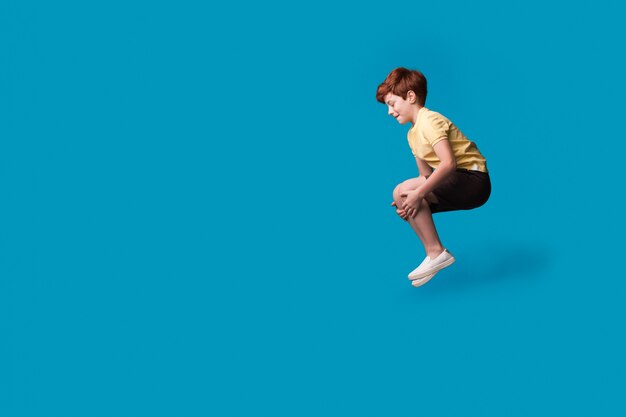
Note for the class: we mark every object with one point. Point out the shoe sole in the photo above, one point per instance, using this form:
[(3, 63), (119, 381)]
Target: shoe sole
[(436, 269), (421, 281)]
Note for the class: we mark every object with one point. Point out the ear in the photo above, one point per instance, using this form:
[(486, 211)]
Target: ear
[(411, 97)]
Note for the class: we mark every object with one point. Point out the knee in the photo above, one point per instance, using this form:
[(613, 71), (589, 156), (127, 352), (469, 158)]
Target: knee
[(396, 192)]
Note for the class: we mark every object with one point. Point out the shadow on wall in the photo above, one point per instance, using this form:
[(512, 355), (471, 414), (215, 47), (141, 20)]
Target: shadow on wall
[(493, 262)]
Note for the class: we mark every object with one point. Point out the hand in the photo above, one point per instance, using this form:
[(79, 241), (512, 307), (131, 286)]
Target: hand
[(412, 202), (400, 212)]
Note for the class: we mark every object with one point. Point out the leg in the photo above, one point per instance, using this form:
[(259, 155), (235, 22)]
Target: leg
[(422, 223)]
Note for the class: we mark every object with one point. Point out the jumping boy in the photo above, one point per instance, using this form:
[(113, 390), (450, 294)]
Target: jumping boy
[(452, 172)]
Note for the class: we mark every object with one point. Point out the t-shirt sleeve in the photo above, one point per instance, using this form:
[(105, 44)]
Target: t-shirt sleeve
[(436, 129)]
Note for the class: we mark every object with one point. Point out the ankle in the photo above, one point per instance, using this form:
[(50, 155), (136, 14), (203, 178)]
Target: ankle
[(433, 252)]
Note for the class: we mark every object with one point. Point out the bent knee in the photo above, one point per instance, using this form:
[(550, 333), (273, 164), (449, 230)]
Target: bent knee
[(398, 191), (407, 185)]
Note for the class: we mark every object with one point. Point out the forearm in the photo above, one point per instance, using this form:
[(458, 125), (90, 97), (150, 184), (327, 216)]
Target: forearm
[(423, 168), (441, 173)]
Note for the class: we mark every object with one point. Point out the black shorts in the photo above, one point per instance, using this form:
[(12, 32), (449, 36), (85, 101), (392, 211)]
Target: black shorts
[(462, 190)]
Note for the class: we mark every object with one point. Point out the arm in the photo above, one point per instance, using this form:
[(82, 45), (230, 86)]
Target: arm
[(446, 166), (423, 168)]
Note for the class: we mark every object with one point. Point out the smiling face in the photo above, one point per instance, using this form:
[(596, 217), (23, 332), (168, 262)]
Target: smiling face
[(403, 110)]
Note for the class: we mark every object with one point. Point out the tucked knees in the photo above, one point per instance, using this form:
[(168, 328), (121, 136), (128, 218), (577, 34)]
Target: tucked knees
[(399, 190), (405, 186), (410, 185), (396, 193)]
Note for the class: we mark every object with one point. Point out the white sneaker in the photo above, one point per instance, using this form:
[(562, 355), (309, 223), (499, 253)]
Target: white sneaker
[(428, 266), (421, 281), (417, 271)]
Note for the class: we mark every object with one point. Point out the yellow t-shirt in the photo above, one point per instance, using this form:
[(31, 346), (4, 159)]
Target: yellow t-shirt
[(430, 129)]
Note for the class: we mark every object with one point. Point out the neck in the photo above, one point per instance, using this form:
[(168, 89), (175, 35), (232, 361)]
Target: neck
[(415, 114)]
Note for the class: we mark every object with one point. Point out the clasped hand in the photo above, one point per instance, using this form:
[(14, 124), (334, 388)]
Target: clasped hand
[(411, 205)]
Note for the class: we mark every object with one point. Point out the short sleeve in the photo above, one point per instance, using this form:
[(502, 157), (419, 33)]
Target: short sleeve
[(436, 129)]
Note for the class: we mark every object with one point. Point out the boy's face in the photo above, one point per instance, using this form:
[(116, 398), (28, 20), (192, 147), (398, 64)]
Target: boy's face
[(402, 110)]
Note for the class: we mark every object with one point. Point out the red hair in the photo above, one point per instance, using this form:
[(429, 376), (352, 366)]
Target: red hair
[(402, 80)]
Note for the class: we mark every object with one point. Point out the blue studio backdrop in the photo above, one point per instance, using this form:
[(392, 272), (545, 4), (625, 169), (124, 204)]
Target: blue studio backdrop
[(196, 219)]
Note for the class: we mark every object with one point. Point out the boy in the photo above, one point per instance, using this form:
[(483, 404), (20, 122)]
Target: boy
[(452, 172)]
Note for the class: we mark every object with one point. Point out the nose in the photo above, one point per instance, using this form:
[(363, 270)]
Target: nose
[(390, 112)]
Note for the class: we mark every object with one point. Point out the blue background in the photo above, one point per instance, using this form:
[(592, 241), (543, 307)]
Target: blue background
[(195, 211)]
